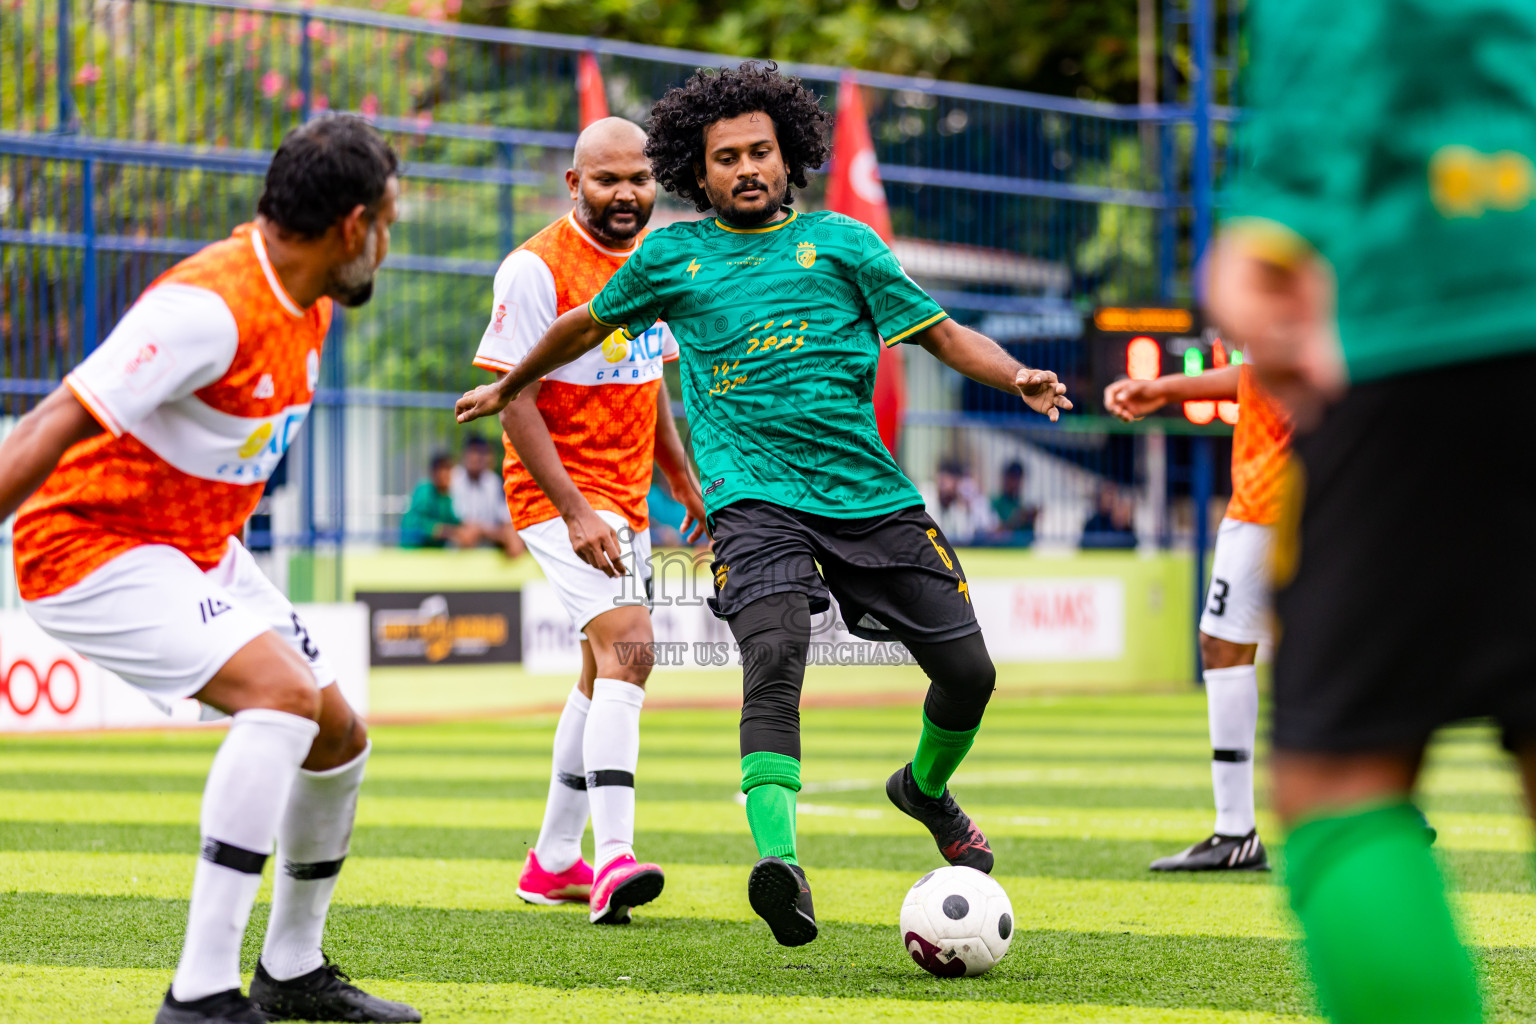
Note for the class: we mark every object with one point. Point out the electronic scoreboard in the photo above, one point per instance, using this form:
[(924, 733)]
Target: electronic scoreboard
[(1147, 342)]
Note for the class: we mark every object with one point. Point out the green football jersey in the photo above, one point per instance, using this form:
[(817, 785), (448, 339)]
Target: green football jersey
[(1398, 138), (779, 328)]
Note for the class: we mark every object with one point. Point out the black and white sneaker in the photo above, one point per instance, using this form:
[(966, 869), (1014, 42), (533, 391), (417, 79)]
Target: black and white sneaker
[(959, 840), (780, 895), (1219, 853), (231, 1007), (325, 993)]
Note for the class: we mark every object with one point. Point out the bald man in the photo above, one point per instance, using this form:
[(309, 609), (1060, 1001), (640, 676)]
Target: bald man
[(580, 447)]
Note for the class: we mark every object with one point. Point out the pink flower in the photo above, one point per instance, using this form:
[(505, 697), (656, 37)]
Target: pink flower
[(89, 74), (320, 102), (316, 31), (437, 57), (295, 99), (424, 120), (453, 7), (370, 105), (271, 84)]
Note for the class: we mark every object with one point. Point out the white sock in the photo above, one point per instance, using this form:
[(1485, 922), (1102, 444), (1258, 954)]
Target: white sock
[(312, 841), (565, 812), (247, 789), (1232, 700), (611, 750)]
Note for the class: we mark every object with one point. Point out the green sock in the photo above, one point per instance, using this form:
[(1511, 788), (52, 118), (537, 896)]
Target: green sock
[(771, 782), (1380, 941), (939, 753)]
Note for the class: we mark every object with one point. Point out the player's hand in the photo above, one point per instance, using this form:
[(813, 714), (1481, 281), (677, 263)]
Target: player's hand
[(686, 493), (1042, 392), (485, 400), (1132, 399), (1283, 317), (596, 543)]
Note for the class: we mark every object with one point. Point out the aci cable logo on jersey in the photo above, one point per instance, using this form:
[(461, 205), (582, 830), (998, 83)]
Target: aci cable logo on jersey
[(262, 448)]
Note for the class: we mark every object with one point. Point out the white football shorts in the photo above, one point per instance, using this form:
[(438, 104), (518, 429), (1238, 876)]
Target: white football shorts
[(586, 592), (1237, 607), (153, 617)]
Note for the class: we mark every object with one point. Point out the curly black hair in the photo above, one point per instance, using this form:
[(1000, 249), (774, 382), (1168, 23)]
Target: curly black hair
[(675, 144)]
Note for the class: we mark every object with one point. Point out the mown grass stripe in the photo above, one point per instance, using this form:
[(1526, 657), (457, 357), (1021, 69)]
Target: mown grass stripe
[(710, 892), (1124, 859), (32, 770), (126, 997), (1506, 832), (31, 995), (561, 950)]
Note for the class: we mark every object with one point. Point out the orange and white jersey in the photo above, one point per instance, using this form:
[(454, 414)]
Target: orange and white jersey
[(601, 408), (200, 388), (1260, 446)]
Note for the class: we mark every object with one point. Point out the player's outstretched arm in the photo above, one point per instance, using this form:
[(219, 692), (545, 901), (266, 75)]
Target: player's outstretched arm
[(1132, 399), (37, 444), (568, 337), (982, 359)]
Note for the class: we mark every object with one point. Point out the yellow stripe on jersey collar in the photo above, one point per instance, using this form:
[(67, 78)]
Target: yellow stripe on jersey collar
[(758, 231)]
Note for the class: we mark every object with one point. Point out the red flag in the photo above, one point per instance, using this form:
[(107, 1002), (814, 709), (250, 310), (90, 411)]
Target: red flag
[(855, 190), (589, 89)]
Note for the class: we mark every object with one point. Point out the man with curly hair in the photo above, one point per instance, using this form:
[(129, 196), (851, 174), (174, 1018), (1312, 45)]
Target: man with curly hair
[(780, 317)]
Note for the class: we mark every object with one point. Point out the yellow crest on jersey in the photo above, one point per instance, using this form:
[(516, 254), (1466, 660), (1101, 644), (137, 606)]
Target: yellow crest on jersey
[(805, 254), (257, 441), (616, 347)]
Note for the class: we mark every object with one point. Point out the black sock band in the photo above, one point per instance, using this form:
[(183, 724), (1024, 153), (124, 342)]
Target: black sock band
[(610, 777), (1231, 756), (773, 633), (961, 680), (237, 858), (314, 869), (570, 780)]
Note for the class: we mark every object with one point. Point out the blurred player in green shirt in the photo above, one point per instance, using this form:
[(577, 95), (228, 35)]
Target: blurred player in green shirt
[(1381, 275), (780, 316)]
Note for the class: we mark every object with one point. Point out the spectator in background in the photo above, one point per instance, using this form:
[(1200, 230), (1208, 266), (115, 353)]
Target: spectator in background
[(958, 505), (1015, 520), (479, 501), (430, 521), (1110, 524)]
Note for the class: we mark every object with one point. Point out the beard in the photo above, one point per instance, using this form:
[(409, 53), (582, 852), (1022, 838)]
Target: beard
[(725, 203), (601, 221), (352, 282)]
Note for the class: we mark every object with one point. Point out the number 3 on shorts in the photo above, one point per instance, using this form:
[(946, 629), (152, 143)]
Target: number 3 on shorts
[(1219, 590)]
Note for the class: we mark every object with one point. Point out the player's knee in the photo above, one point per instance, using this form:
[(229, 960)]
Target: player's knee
[(1218, 653), (293, 692), (340, 740), (961, 669)]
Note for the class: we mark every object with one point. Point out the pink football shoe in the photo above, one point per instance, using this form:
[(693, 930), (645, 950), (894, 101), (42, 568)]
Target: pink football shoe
[(573, 885), (623, 884)]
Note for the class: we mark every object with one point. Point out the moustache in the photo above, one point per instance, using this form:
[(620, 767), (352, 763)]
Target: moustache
[(748, 186)]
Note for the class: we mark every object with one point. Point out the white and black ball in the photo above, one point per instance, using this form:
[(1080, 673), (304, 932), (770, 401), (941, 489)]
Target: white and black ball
[(956, 922)]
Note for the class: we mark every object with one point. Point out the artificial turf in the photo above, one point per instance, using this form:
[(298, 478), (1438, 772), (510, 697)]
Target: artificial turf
[(98, 833)]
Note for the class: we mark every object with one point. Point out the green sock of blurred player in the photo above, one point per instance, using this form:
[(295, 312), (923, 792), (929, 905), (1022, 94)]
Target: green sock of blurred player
[(939, 753), (770, 782), (1380, 941)]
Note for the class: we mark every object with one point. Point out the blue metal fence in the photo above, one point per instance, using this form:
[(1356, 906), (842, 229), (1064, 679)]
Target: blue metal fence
[(133, 132)]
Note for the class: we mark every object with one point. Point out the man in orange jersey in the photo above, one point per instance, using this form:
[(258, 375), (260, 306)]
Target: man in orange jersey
[(580, 446), (141, 470), (1236, 616)]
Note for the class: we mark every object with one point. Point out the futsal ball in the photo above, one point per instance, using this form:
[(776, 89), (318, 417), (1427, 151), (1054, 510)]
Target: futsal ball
[(956, 922)]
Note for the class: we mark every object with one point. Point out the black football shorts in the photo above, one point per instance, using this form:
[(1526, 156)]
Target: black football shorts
[(895, 577), (1414, 597)]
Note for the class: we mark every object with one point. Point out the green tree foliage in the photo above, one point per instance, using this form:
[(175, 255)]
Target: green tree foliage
[(1070, 47)]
